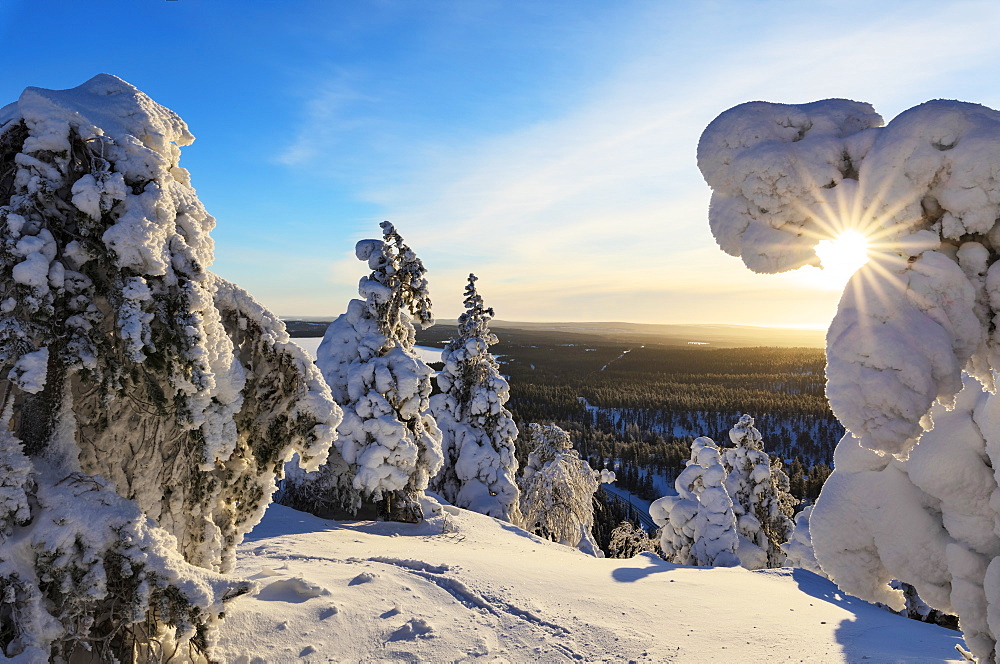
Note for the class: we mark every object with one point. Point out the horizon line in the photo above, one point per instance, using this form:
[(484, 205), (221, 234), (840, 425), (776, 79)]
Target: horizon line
[(801, 327)]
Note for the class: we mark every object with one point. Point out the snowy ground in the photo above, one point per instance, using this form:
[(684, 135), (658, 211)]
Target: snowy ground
[(426, 353), (462, 587)]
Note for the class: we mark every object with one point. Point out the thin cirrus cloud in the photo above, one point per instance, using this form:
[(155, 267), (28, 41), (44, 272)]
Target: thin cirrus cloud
[(327, 121), (598, 212)]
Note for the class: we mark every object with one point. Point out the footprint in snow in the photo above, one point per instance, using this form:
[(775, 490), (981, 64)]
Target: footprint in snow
[(364, 577), (414, 628)]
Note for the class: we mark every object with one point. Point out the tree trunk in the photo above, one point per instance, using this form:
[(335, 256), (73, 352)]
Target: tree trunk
[(402, 506)]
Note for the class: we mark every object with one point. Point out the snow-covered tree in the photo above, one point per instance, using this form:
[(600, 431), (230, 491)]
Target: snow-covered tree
[(924, 191), (698, 525), (761, 501), (557, 489), (799, 549), (628, 541), (389, 444), (800, 553), (479, 470), (148, 405)]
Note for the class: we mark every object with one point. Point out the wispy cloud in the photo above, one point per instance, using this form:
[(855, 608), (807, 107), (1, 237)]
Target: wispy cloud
[(330, 115), (600, 212)]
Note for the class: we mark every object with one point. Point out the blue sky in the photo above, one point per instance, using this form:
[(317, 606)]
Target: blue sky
[(549, 147)]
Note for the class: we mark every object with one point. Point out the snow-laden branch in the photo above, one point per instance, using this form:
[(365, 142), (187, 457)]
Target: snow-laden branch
[(924, 191)]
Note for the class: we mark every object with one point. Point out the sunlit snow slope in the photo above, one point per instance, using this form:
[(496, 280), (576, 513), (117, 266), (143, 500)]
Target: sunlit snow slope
[(463, 587)]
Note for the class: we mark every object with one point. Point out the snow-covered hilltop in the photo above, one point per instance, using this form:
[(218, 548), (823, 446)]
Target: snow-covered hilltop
[(463, 587), (149, 409)]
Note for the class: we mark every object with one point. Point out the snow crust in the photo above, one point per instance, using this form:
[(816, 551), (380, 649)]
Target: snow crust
[(103, 106), (436, 593)]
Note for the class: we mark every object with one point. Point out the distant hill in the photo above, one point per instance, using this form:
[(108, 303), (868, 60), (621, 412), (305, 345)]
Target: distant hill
[(299, 327), (715, 335), (718, 336)]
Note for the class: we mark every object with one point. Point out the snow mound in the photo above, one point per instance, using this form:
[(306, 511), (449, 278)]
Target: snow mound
[(414, 628), (364, 577)]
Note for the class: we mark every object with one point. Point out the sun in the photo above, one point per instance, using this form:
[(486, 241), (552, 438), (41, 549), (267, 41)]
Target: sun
[(841, 257)]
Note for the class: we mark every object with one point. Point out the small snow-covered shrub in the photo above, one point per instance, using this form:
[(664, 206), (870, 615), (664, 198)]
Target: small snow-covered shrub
[(148, 405), (389, 445), (628, 541), (479, 470), (754, 491)]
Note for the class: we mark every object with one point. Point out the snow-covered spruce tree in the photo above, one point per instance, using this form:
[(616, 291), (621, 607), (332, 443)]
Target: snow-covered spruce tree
[(799, 549), (912, 495), (147, 404), (698, 526), (479, 470), (557, 490), (761, 501), (389, 444)]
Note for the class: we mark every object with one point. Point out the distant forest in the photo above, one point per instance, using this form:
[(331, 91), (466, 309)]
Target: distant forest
[(642, 402), (636, 401)]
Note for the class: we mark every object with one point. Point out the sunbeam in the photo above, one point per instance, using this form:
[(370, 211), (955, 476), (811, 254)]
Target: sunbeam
[(842, 256)]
